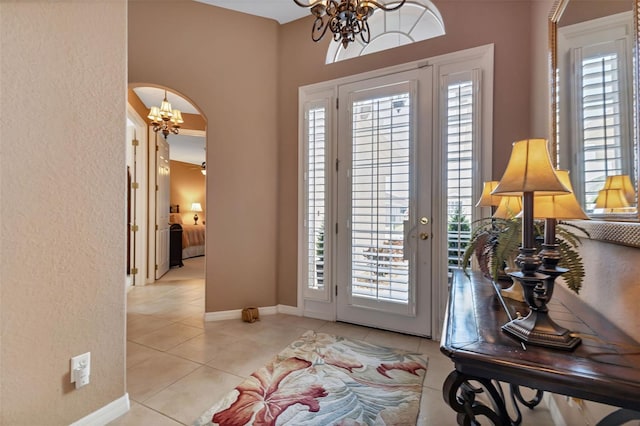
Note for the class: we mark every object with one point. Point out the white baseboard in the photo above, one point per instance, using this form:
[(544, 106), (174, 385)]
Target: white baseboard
[(325, 316), (237, 313), (289, 310), (554, 410), (106, 414)]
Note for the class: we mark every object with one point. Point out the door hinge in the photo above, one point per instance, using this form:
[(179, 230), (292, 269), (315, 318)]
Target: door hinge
[(157, 148), (337, 164), (156, 267), (336, 290), (134, 271), (135, 185), (135, 142), (134, 228), (157, 188), (156, 227), (336, 227), (337, 103)]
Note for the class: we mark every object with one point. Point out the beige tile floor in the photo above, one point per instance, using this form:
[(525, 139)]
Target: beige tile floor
[(178, 365)]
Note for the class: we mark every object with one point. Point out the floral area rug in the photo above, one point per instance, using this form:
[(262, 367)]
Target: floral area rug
[(321, 380)]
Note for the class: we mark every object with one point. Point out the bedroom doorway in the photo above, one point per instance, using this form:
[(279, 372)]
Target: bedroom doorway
[(174, 175)]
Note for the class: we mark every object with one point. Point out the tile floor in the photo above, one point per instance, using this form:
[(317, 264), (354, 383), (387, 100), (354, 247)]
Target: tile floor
[(178, 365)]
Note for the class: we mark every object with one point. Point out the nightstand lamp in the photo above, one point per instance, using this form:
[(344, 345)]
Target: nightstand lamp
[(196, 207)]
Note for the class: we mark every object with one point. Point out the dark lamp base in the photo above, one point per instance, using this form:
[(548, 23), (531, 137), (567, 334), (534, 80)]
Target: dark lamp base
[(540, 330)]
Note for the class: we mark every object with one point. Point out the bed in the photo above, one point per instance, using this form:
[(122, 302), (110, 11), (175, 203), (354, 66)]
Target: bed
[(193, 236)]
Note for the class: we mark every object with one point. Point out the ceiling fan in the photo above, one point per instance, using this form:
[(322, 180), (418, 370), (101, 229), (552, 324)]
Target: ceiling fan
[(202, 167)]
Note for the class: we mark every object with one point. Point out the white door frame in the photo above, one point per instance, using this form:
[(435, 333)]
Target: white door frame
[(480, 58), (139, 176)]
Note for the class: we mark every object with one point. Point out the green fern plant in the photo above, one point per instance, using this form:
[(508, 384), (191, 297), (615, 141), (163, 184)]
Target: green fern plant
[(496, 242)]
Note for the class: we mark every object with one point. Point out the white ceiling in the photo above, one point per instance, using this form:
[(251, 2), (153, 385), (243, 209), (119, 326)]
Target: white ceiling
[(153, 96), (282, 11)]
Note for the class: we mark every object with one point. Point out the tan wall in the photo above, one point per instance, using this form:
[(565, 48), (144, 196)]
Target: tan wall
[(62, 183), (188, 186), (226, 63), (469, 23)]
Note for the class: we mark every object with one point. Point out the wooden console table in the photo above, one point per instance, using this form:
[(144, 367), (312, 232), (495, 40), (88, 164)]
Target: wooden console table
[(604, 368)]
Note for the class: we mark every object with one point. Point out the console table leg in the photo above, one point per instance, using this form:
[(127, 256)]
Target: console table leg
[(515, 390), (461, 396), (619, 417)]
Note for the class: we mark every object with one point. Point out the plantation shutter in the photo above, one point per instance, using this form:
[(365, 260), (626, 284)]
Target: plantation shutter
[(380, 197), (601, 116), (460, 98), (316, 133)]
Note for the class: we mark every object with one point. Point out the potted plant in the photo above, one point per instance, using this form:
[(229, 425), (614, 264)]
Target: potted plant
[(496, 243)]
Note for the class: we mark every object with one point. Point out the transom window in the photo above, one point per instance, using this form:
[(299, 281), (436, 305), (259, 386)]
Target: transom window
[(416, 20)]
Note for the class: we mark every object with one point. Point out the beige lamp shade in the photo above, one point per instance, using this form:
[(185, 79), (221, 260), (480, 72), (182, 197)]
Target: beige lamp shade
[(611, 199), (486, 199), (530, 170), (509, 207), (623, 183), (165, 108), (196, 207), (564, 206), (177, 117), (154, 114)]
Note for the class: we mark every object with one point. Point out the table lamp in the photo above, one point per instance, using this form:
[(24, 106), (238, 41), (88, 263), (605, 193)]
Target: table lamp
[(487, 199), (196, 207), (551, 208), (509, 207), (530, 172), (623, 183)]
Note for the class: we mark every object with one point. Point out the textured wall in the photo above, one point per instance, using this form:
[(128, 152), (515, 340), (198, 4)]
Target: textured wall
[(225, 62), (62, 193)]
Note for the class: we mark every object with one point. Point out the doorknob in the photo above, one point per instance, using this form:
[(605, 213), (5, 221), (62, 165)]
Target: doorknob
[(424, 221), (424, 236)]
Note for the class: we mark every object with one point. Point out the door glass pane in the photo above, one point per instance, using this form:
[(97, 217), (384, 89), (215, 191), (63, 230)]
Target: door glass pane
[(316, 198), (380, 198), (459, 169)]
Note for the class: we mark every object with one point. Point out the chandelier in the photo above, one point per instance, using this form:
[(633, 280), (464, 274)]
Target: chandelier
[(345, 18), (161, 116)]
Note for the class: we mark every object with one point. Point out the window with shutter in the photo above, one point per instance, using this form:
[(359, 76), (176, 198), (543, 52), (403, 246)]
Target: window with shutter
[(460, 180), (595, 93)]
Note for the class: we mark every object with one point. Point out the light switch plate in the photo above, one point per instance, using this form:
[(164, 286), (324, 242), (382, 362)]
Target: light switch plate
[(81, 361)]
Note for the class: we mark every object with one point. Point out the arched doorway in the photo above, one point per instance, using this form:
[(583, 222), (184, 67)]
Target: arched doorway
[(157, 199)]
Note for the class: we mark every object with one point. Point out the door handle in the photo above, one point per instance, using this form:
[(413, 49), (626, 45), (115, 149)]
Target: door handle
[(424, 236)]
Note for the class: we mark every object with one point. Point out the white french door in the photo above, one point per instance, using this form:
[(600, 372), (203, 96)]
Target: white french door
[(383, 208)]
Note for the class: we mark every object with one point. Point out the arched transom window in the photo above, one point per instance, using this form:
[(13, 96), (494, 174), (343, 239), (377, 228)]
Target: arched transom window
[(416, 20)]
